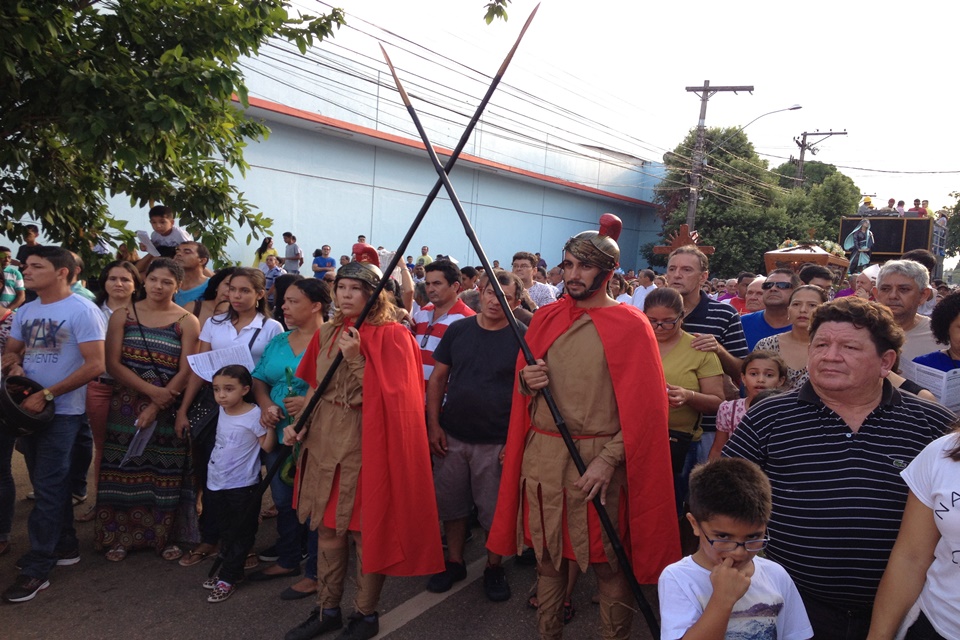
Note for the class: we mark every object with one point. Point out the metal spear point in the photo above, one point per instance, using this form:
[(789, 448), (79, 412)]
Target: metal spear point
[(604, 518), (254, 503)]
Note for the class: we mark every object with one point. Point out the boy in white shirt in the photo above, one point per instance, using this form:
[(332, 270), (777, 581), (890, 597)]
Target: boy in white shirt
[(724, 590)]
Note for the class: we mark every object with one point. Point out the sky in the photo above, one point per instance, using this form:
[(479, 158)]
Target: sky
[(879, 71)]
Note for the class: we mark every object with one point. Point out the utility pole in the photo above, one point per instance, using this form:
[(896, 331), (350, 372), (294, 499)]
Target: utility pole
[(696, 171), (798, 179)]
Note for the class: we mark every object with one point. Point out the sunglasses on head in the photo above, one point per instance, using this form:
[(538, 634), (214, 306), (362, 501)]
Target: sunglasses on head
[(779, 285)]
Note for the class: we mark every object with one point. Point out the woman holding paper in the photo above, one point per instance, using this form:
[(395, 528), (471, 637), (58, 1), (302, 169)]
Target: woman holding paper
[(945, 325), (140, 503), (245, 324)]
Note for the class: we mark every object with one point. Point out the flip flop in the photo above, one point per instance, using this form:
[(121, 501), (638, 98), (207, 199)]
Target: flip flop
[(195, 557), (88, 516), (117, 554), (251, 562), (171, 553)]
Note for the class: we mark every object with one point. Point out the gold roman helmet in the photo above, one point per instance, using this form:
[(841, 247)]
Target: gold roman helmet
[(598, 248), (362, 271)]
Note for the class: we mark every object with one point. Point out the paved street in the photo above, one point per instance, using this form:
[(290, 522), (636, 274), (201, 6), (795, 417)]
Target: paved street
[(145, 598)]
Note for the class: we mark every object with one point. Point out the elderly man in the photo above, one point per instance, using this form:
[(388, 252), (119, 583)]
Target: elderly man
[(592, 355), (903, 285), (777, 289), (754, 296), (834, 450)]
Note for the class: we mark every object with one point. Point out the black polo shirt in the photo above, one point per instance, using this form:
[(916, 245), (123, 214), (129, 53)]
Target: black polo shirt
[(838, 497)]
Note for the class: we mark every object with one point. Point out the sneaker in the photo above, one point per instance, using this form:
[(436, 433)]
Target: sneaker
[(67, 558), (317, 623), (495, 584), (269, 554), (211, 583), (443, 581), (24, 589), (360, 628), (221, 592)]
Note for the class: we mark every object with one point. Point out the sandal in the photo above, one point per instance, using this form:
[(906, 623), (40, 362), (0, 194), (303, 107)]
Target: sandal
[(533, 602), (269, 512), (250, 563), (198, 555), (171, 553), (117, 553), (568, 612)]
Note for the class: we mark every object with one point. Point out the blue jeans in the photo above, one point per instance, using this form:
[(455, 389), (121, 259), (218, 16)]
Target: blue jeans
[(81, 457), (48, 454), (707, 439), (290, 533), (8, 488)]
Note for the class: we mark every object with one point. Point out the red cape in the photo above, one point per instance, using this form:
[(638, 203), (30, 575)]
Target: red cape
[(399, 521), (638, 383)]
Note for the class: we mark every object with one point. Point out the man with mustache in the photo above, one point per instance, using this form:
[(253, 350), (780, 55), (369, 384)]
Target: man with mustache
[(593, 355)]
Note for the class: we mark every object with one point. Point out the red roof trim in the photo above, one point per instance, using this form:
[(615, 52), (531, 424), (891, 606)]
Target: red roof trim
[(417, 144)]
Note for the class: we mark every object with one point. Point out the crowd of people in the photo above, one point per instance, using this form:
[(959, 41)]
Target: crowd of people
[(777, 420)]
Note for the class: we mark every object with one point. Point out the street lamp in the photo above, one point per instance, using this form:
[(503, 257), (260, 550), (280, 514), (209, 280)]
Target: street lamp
[(698, 162)]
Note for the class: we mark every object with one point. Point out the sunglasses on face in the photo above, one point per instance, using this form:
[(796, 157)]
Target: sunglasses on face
[(766, 286)]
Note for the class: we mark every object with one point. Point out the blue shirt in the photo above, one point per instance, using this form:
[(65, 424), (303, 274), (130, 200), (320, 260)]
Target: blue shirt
[(755, 328), (272, 369), (52, 335), (938, 360), (182, 297), (323, 262)]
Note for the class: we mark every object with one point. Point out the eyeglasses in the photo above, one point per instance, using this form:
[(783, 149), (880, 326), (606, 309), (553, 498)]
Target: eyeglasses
[(666, 324), (766, 286), (724, 546)]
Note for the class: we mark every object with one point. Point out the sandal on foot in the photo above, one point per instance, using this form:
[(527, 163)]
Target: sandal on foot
[(251, 562), (117, 553), (533, 602), (198, 555), (568, 612), (270, 512), (171, 553)]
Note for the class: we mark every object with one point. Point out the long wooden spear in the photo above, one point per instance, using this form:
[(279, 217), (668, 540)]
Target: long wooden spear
[(307, 411), (528, 356)]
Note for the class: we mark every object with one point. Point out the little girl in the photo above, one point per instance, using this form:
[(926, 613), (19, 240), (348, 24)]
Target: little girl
[(234, 472), (761, 371)]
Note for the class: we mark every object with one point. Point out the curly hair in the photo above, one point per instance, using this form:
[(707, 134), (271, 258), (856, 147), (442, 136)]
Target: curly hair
[(943, 316), (876, 318)]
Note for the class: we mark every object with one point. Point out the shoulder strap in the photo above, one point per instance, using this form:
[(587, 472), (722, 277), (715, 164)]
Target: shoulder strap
[(146, 346), (254, 338)]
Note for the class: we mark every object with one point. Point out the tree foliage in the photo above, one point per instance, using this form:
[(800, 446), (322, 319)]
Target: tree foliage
[(133, 99), (743, 210), (952, 247)]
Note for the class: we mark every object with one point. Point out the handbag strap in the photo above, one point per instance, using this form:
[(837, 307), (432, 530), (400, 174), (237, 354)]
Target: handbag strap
[(254, 338), (146, 345)]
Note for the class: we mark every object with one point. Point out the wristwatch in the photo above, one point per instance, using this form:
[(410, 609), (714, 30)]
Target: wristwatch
[(47, 395)]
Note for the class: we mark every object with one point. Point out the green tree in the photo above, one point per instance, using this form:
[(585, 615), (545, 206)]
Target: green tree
[(132, 99), (813, 173), (953, 227)]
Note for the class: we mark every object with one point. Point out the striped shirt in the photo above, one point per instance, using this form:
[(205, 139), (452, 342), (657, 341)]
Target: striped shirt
[(429, 331), (721, 320), (837, 495)]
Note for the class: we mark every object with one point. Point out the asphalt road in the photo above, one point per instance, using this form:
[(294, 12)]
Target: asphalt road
[(146, 598)]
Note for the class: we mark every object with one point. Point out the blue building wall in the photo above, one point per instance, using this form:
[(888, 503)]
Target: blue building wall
[(327, 189)]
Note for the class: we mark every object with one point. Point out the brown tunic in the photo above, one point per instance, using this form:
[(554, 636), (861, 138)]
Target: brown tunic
[(581, 385), (333, 440)]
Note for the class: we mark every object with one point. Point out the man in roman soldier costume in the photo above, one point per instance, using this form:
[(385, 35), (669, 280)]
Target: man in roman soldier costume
[(600, 361)]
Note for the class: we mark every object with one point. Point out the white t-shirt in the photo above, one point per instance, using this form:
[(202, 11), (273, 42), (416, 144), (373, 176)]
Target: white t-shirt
[(935, 480), (52, 334), (176, 237), (919, 340), (221, 334), (640, 295), (235, 461), (771, 607)]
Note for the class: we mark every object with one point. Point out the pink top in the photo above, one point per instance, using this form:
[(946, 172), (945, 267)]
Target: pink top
[(730, 413)]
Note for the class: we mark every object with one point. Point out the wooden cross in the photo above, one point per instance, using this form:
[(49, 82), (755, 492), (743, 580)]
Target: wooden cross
[(682, 238)]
